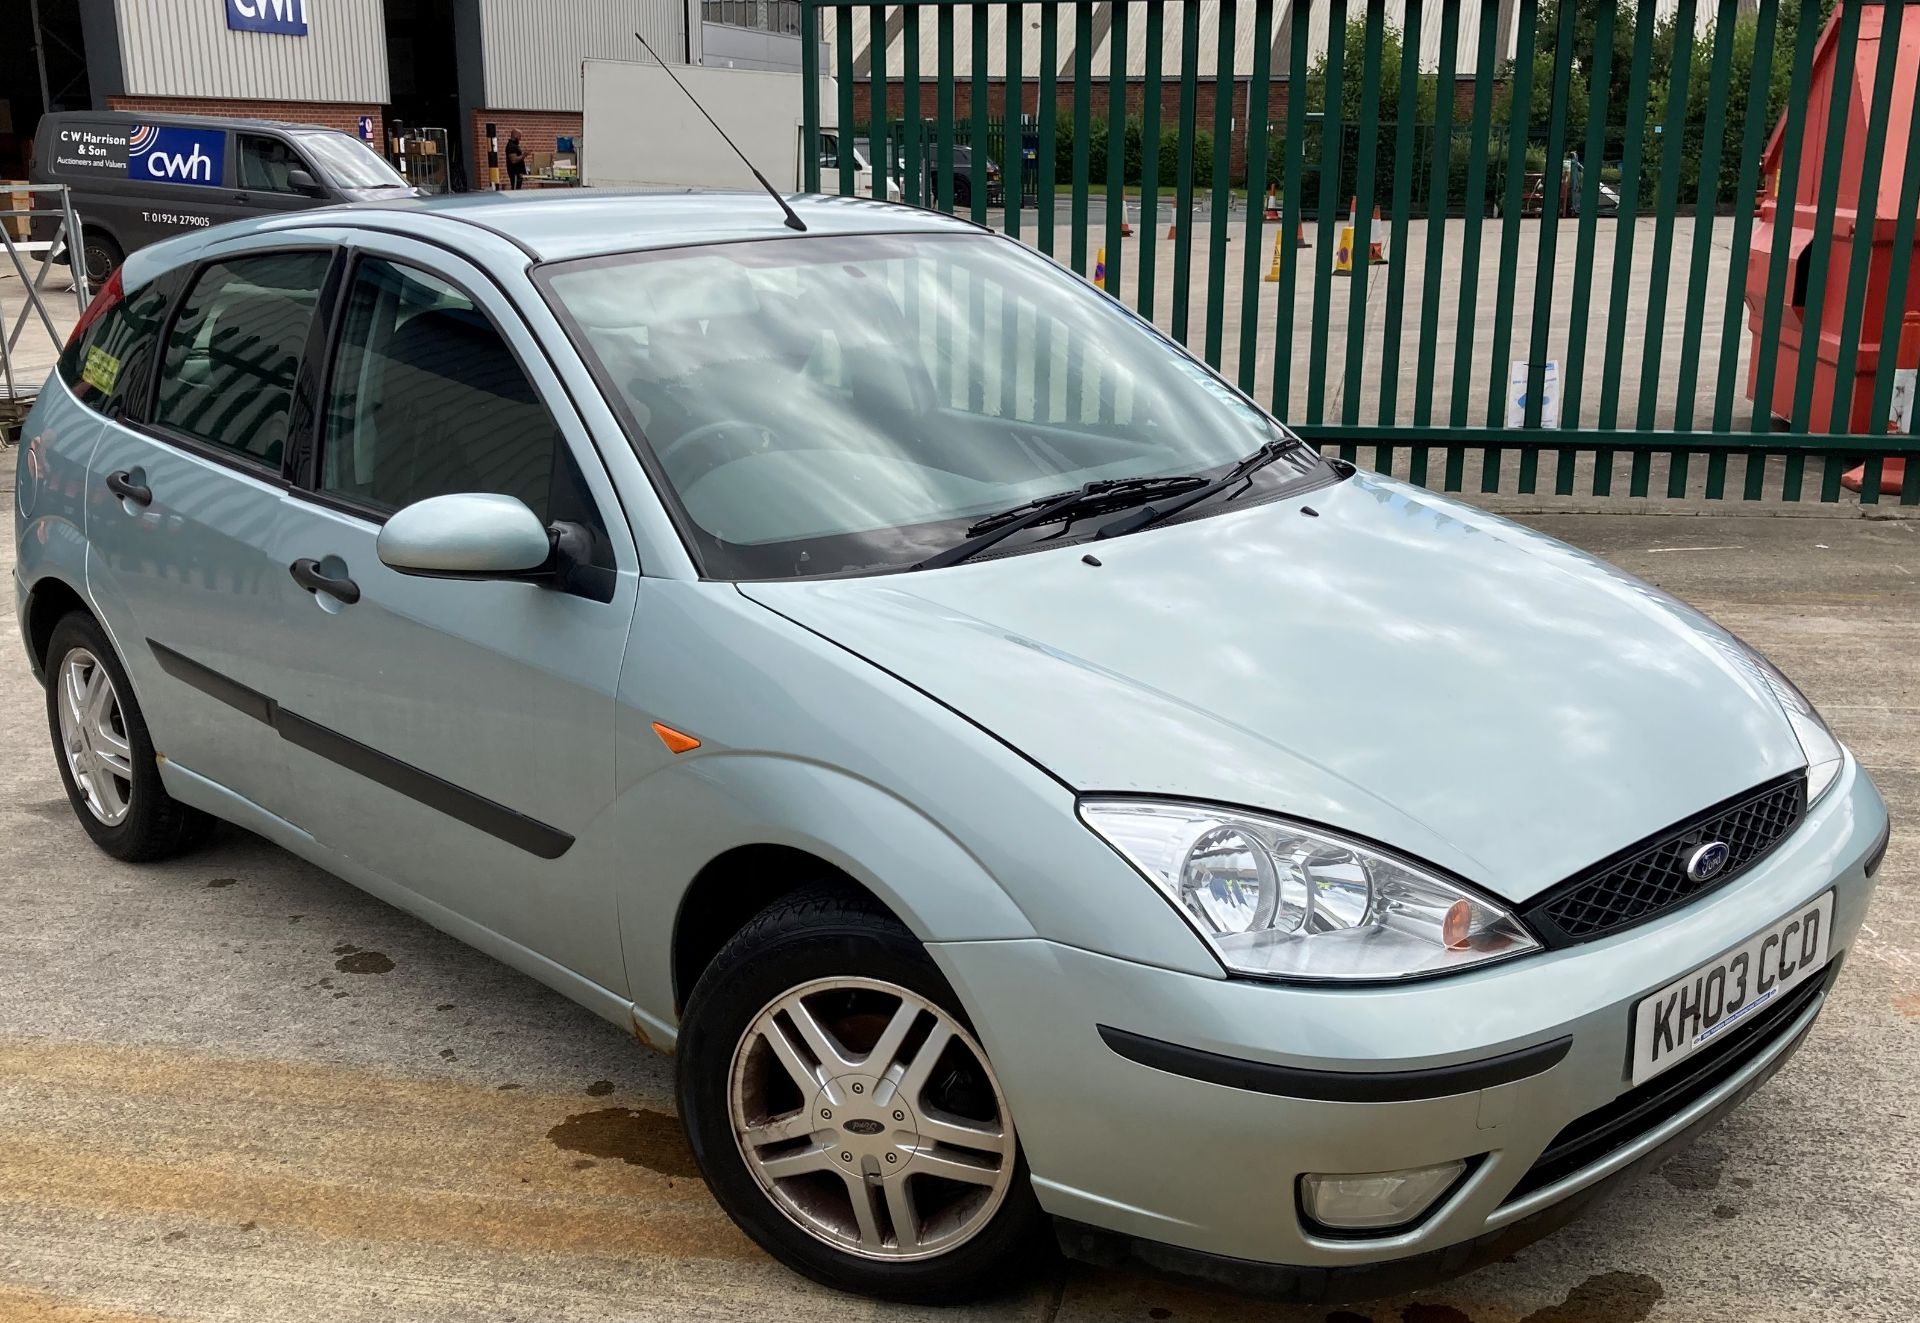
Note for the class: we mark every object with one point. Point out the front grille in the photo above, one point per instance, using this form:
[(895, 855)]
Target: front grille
[(1650, 877), (1606, 1129)]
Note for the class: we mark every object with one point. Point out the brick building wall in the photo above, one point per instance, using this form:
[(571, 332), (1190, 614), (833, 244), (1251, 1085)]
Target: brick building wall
[(539, 130), (342, 115)]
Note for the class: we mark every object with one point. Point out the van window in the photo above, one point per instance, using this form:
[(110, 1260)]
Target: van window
[(227, 376), (427, 399), (350, 163), (106, 365), (265, 164)]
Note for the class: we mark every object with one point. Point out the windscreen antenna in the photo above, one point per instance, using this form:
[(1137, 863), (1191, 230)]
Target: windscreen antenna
[(793, 219)]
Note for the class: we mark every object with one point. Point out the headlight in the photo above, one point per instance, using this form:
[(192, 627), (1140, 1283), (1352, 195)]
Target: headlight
[(1824, 754), (1279, 900)]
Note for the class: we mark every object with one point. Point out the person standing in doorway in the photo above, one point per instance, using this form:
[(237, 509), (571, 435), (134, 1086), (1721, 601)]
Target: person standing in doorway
[(516, 160)]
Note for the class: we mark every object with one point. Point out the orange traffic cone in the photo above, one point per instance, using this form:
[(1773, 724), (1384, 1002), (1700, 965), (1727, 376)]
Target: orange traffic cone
[(1126, 221), (1377, 243), (1273, 202), (1173, 230), (1901, 417)]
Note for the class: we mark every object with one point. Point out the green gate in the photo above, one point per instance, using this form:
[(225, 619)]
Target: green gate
[(1567, 192)]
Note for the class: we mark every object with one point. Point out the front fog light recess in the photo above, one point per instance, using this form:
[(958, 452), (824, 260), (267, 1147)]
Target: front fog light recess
[(1376, 1200)]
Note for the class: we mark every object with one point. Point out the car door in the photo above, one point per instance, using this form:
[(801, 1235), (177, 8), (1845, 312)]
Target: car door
[(456, 737), (187, 485)]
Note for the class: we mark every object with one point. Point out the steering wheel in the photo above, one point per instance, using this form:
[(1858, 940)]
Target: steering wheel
[(694, 436)]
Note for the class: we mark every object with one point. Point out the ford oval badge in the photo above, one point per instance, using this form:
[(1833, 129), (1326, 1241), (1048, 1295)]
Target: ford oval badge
[(1705, 863)]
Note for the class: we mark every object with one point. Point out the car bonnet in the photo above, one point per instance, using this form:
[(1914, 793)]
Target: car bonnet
[(1367, 656)]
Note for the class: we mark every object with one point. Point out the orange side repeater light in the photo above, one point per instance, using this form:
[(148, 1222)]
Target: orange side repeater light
[(676, 741)]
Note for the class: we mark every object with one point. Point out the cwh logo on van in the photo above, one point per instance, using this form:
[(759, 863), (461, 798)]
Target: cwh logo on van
[(173, 155)]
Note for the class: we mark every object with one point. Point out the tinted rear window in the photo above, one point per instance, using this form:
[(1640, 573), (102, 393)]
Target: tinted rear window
[(108, 365)]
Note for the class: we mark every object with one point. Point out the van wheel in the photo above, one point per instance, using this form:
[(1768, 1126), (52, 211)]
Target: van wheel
[(103, 256), (844, 1113), (105, 755)]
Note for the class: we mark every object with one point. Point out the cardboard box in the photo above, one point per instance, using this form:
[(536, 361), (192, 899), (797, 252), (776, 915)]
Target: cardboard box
[(17, 199)]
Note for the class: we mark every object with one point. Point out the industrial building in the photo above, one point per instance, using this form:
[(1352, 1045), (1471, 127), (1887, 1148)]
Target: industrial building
[(451, 67), (442, 69)]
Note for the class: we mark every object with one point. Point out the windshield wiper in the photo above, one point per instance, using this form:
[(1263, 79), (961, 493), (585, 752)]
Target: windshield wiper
[(1148, 515), (1094, 498)]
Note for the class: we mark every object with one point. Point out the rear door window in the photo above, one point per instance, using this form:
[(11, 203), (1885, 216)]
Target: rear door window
[(227, 376)]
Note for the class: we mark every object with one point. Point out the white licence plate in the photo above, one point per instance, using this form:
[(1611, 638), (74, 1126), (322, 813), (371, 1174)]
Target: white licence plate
[(1691, 1012)]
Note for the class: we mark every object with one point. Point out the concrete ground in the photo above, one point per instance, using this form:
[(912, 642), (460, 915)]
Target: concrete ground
[(234, 1088)]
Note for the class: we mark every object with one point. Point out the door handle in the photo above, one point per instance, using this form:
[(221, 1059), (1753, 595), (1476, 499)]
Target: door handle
[(307, 574), (121, 484)]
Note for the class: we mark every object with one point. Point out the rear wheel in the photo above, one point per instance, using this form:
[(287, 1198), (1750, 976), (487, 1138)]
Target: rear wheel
[(844, 1113), (105, 755), (103, 257)]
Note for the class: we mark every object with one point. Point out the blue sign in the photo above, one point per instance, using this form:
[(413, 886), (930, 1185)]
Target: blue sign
[(366, 128), (174, 155), (286, 17)]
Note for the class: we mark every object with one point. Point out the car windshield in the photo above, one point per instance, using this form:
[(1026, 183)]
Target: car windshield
[(848, 404), (350, 163)]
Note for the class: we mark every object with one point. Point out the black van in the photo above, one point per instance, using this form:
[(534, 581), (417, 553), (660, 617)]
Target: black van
[(137, 178)]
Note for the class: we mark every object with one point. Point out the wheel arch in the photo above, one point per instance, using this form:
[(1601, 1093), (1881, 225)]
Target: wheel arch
[(49, 601), (733, 887)]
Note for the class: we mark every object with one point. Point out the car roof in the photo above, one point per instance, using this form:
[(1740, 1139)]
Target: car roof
[(195, 121), (556, 225)]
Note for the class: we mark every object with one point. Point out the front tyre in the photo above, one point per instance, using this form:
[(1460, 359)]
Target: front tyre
[(105, 755), (845, 1115)]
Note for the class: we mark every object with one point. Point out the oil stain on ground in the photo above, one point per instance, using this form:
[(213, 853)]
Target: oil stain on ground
[(355, 961), (1608, 1297), (653, 1140), (215, 883)]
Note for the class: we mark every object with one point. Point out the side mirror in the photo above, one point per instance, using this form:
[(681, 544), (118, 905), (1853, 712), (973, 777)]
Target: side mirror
[(470, 535), (300, 181)]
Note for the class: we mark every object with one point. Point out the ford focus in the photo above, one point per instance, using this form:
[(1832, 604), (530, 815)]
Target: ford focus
[(1038, 799)]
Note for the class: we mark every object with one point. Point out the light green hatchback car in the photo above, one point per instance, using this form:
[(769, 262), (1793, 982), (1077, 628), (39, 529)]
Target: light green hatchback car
[(1038, 798)]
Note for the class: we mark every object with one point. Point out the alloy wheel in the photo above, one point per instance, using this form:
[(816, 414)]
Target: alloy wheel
[(93, 735), (871, 1119)]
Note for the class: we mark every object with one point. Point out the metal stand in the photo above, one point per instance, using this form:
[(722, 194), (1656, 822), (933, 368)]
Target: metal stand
[(67, 239)]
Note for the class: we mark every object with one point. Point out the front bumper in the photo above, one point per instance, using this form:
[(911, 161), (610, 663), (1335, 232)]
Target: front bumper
[(1199, 1178)]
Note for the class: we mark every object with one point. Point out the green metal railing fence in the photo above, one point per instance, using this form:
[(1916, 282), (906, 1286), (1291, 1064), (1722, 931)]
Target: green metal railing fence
[(1545, 208)]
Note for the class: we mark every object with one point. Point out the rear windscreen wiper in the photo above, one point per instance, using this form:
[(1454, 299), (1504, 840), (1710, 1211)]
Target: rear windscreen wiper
[(1094, 498), (1148, 515)]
